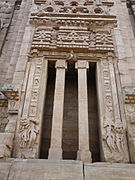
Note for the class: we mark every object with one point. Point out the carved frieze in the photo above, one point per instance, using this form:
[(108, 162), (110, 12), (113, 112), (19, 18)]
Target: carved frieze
[(72, 13), (72, 7), (63, 38)]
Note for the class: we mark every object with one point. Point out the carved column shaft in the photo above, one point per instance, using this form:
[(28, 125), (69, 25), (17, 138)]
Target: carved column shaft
[(83, 152), (55, 151)]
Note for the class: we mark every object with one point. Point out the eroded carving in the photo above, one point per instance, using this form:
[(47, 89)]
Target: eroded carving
[(29, 123), (75, 7), (72, 38), (28, 133), (115, 147), (114, 137)]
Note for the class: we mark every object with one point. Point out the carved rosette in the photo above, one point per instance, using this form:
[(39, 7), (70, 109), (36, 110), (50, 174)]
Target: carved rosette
[(113, 130), (29, 122)]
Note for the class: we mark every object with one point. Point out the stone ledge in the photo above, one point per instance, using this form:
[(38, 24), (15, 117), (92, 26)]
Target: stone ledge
[(41, 169)]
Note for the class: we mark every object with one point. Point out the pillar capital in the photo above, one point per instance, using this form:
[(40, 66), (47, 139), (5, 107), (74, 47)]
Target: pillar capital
[(82, 64), (61, 64)]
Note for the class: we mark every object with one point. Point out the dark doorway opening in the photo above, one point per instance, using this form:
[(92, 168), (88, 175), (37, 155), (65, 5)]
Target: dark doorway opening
[(93, 113), (70, 123), (48, 111)]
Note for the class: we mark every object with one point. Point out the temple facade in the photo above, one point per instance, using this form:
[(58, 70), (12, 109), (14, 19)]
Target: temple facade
[(67, 89)]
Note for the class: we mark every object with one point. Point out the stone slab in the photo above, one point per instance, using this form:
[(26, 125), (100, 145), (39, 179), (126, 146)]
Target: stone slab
[(107, 171), (46, 170), (4, 170)]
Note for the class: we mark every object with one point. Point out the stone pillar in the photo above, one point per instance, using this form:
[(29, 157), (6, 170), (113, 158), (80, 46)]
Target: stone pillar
[(84, 153), (55, 151)]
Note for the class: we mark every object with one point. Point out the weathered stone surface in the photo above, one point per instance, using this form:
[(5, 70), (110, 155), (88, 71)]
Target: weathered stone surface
[(46, 170), (35, 35), (4, 170), (107, 171)]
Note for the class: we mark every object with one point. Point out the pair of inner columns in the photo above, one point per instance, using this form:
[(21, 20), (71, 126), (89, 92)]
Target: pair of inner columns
[(55, 151)]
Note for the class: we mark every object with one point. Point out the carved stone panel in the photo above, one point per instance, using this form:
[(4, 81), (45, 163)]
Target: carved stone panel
[(113, 131), (29, 127), (73, 38), (129, 98)]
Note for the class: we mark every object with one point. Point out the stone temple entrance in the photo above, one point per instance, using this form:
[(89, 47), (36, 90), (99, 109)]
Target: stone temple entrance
[(70, 128)]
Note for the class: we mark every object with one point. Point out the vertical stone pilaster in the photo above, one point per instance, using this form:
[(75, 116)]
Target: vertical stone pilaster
[(112, 128), (84, 153), (129, 98), (31, 114), (55, 151)]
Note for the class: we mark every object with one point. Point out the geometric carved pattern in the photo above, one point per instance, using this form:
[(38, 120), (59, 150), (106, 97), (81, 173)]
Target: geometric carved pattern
[(72, 38), (70, 6)]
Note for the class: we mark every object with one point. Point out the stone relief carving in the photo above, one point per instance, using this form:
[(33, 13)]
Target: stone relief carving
[(29, 125), (129, 98), (114, 130), (28, 133), (72, 38), (85, 9), (129, 95), (5, 13), (71, 6), (114, 137)]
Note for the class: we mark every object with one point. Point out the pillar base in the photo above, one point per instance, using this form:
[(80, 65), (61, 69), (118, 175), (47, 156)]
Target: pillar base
[(84, 155), (55, 154)]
